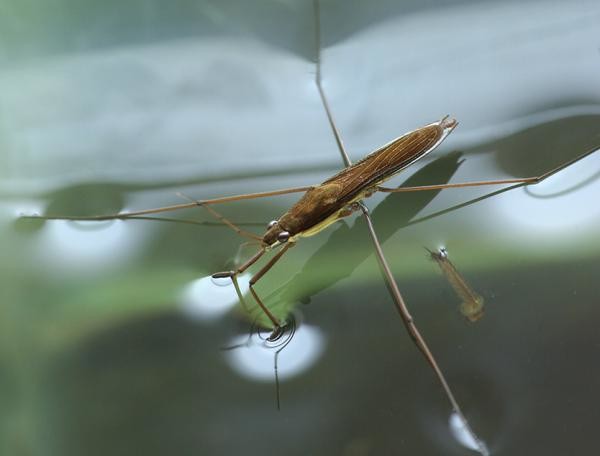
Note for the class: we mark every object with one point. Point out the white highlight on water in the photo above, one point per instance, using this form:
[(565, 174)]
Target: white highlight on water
[(208, 298), (255, 361), (464, 436), (85, 247)]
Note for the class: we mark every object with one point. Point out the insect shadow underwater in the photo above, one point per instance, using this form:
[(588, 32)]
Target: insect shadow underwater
[(335, 198)]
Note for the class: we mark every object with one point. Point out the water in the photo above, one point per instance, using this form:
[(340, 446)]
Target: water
[(105, 347)]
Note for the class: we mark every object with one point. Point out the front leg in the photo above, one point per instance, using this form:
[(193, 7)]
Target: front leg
[(278, 327)]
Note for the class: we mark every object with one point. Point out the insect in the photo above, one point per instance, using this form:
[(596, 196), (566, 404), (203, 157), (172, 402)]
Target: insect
[(472, 303), (319, 207), (336, 198)]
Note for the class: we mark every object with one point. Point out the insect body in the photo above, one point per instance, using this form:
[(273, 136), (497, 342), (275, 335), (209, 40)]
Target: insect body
[(335, 198)]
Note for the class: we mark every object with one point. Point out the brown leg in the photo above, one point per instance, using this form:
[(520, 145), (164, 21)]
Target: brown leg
[(233, 276), (292, 331), (395, 292), (277, 326), (175, 207), (242, 268)]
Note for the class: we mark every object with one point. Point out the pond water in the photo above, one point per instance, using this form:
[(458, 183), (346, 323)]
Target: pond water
[(114, 338)]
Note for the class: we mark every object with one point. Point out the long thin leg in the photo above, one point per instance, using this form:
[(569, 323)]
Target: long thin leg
[(518, 182), (276, 362), (318, 82), (243, 267), (175, 207), (278, 327), (461, 205), (157, 219), (417, 338), (396, 295), (233, 275)]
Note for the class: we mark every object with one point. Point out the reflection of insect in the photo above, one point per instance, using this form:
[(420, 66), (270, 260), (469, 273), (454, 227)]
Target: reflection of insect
[(335, 198), (472, 303)]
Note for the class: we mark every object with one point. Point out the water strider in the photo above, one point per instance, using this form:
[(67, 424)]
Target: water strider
[(338, 197)]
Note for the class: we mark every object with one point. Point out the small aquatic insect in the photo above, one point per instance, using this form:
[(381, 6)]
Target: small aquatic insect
[(472, 303), (338, 197)]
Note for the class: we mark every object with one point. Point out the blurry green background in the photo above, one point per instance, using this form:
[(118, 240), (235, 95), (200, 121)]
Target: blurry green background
[(112, 105)]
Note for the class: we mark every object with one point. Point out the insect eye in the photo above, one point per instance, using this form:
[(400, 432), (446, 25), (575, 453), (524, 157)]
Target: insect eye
[(272, 224), (283, 236)]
